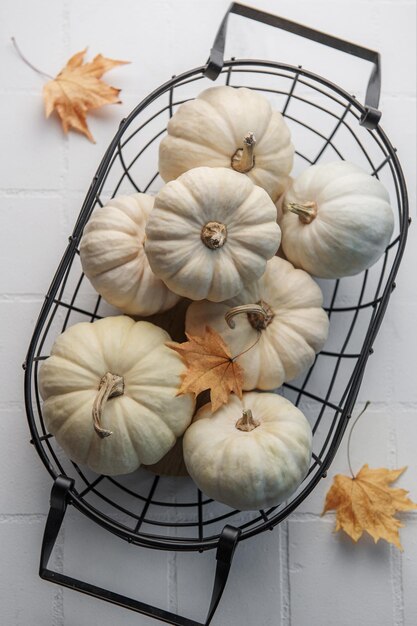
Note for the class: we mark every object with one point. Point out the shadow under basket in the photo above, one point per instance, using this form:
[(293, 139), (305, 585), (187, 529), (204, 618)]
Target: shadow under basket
[(166, 513)]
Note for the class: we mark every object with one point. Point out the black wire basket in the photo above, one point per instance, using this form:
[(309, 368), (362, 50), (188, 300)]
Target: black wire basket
[(164, 513)]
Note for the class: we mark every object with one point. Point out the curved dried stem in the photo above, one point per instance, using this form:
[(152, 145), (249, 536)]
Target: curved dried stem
[(24, 59), (367, 403), (255, 309), (243, 159), (111, 386)]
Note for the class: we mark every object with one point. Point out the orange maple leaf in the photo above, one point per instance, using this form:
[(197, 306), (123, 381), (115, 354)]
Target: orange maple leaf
[(367, 503), (209, 366), (78, 88)]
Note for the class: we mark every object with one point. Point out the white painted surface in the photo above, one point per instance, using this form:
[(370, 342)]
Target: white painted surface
[(301, 573)]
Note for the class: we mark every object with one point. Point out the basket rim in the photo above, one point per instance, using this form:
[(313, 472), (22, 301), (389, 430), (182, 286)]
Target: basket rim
[(188, 544)]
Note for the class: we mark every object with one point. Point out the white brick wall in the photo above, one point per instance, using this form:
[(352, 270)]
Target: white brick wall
[(301, 573)]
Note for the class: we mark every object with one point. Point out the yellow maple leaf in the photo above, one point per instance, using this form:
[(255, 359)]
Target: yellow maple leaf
[(209, 366), (78, 88), (367, 503)]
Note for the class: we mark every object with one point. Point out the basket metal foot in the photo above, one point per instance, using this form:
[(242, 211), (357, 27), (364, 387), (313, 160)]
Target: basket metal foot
[(58, 505)]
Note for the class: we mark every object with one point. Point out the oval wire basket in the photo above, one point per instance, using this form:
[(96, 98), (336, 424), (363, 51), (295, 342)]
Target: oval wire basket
[(327, 124)]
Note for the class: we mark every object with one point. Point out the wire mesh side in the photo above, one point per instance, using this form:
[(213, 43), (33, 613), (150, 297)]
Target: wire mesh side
[(170, 513)]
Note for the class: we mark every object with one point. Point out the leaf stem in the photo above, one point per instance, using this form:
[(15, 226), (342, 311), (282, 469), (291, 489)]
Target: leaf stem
[(367, 403), (247, 349), (24, 59)]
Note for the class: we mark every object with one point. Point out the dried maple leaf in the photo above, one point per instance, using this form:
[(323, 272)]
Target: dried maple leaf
[(209, 366), (77, 89), (367, 503)]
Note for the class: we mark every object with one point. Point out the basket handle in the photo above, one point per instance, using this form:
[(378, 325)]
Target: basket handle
[(60, 498), (215, 63)]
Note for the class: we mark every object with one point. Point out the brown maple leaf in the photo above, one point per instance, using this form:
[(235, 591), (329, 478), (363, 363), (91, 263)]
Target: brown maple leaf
[(367, 503), (209, 366), (78, 88)]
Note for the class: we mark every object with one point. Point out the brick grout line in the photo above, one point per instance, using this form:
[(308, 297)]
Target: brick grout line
[(58, 618), (397, 586), (12, 405), (172, 582), (308, 516), (412, 95), (31, 193), (302, 516), (284, 569), (21, 297), (66, 37), (395, 2), (396, 565), (409, 516), (58, 608), (172, 566), (19, 518)]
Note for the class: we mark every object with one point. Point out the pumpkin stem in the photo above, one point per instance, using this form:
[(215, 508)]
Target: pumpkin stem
[(306, 211), (111, 386), (243, 160), (214, 235), (247, 423), (260, 315)]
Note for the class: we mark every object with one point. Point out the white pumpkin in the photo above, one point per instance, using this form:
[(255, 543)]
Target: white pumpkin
[(250, 454), (229, 127), (113, 258), (109, 391), (337, 220), (278, 325), (211, 232)]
